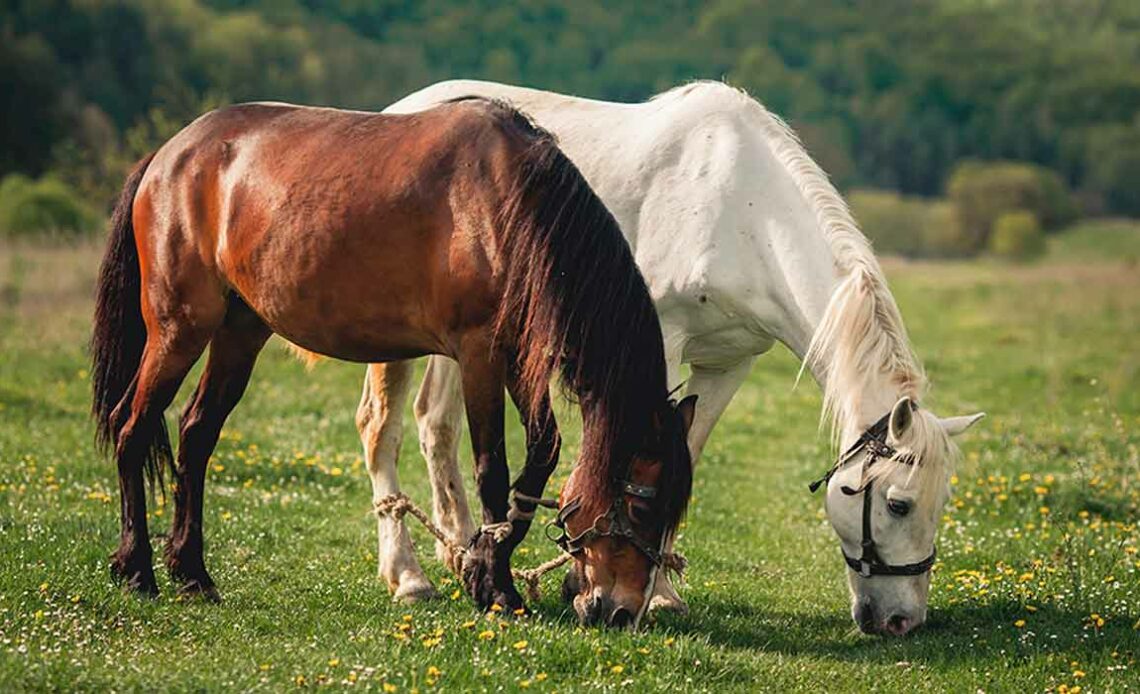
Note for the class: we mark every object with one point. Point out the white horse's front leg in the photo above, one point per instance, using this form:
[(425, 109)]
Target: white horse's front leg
[(380, 419), (714, 389), (439, 415)]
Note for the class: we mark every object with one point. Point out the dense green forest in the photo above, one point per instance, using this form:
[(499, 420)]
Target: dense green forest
[(886, 93)]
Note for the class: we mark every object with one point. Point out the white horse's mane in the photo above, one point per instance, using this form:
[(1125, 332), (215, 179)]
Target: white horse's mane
[(861, 341)]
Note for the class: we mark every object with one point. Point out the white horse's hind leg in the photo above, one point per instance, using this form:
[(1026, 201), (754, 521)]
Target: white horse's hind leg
[(714, 389), (439, 415), (380, 419)]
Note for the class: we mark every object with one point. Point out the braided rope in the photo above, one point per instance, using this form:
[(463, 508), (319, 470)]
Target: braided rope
[(397, 505)]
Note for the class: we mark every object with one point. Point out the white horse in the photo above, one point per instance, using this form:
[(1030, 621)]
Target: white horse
[(742, 241)]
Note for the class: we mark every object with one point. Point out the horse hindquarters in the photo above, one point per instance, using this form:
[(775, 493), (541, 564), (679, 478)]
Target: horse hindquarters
[(147, 337)]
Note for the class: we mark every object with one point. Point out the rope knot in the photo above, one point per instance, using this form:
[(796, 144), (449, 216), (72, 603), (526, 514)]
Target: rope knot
[(498, 531)]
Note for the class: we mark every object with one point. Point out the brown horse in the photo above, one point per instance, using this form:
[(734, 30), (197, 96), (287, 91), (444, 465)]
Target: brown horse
[(487, 245)]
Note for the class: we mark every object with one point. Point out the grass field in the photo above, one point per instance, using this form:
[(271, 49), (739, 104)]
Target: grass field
[(1037, 586)]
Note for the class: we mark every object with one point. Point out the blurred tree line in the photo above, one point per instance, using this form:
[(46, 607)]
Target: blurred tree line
[(886, 93)]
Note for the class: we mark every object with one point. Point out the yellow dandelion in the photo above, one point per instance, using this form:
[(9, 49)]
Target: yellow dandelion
[(218, 467), (496, 607), (643, 650), (264, 667), (541, 677), (1024, 477), (336, 472), (455, 594), (299, 680), (486, 635), (617, 669), (1078, 674), (407, 618), (1019, 623), (468, 624), (433, 671), (669, 641), (333, 662), (1044, 510), (524, 683), (519, 645), (520, 612), (389, 687), (1031, 608)]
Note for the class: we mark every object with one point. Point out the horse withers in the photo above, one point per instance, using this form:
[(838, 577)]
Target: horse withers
[(462, 231)]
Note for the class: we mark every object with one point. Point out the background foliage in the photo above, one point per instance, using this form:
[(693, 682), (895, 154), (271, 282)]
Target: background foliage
[(887, 94)]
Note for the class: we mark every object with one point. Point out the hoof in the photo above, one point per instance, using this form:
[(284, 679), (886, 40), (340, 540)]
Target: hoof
[(137, 577), (417, 590), (487, 577)]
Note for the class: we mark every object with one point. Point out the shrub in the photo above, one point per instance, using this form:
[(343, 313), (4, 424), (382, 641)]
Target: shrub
[(910, 226), (984, 191), (44, 207), (1017, 236)]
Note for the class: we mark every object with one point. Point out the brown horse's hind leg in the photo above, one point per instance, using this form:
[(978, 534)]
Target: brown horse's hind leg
[(233, 352), (165, 361)]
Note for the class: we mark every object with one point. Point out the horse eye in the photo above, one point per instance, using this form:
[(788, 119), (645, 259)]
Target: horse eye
[(897, 507)]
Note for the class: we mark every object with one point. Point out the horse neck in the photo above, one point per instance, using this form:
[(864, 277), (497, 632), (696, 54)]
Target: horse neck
[(811, 251)]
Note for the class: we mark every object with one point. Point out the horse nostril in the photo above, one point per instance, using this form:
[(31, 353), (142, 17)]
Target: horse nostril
[(898, 625), (621, 618), (596, 609), (865, 618)]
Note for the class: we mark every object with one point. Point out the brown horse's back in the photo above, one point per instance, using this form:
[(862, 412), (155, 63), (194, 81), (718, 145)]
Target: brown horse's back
[(264, 199)]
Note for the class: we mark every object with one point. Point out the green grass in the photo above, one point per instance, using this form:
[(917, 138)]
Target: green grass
[(1099, 239), (1042, 527)]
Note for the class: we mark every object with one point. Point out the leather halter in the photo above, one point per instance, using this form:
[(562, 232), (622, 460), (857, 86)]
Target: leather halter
[(873, 442), (613, 523)]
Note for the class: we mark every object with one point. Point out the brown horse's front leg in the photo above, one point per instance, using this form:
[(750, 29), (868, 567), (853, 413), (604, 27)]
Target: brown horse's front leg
[(543, 444), (487, 565)]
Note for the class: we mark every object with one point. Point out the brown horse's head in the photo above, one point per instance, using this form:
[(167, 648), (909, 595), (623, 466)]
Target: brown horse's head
[(618, 531)]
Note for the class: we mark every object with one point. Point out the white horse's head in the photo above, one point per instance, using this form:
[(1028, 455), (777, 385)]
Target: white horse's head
[(902, 494)]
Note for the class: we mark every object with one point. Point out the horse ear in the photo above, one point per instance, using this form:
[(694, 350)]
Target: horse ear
[(956, 425), (902, 416), (688, 409)]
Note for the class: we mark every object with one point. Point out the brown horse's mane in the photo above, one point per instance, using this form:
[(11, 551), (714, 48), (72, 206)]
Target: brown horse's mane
[(575, 302)]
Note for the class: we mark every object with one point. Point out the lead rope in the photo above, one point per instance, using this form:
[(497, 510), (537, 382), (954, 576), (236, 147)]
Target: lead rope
[(396, 506)]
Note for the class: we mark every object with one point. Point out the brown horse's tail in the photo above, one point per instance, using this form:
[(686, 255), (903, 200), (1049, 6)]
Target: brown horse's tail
[(119, 333)]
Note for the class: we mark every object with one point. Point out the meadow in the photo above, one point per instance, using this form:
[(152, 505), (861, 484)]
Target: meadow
[(1037, 587)]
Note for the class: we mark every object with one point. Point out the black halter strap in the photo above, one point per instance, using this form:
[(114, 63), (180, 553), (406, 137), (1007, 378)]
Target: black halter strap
[(872, 442), (613, 523)]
